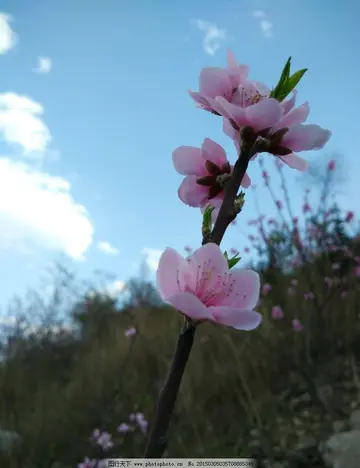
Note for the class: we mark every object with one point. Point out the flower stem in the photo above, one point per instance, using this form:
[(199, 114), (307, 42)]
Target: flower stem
[(158, 437), (227, 213), (157, 442)]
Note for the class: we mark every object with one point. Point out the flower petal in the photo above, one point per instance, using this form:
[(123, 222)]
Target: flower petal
[(294, 117), (199, 99), (306, 137), (245, 289), (191, 193), (214, 81), (208, 262), (295, 162), (213, 152), (237, 318), (264, 114), (230, 111), (237, 73), (167, 275), (187, 160), (229, 130), (231, 60), (190, 306), (205, 266), (289, 103)]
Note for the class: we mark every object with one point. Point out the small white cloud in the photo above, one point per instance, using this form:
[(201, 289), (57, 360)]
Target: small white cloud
[(8, 38), (44, 65), (259, 14), (152, 257), (37, 208), (20, 123), (107, 248), (266, 26), (213, 36)]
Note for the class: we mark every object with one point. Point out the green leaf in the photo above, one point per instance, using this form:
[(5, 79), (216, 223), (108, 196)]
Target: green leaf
[(283, 79), (233, 261), (239, 202), (291, 83), (207, 221)]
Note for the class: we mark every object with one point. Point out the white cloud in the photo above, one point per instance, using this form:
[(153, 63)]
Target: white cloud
[(44, 65), (20, 123), (107, 248), (113, 289), (266, 26), (213, 36), (8, 38), (259, 14), (152, 257), (38, 208)]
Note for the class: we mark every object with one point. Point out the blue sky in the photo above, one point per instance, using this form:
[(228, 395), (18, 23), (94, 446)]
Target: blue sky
[(93, 101)]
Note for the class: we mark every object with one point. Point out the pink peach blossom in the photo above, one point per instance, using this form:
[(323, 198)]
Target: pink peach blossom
[(105, 441), (266, 288), (202, 287), (88, 463), (130, 332), (297, 325), (202, 167), (222, 82), (251, 106), (306, 207), (309, 296), (277, 313), (124, 428)]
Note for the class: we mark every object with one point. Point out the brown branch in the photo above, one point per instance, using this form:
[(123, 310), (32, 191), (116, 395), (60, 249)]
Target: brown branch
[(157, 442)]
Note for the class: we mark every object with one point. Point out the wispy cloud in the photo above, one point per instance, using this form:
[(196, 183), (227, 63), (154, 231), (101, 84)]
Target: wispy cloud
[(265, 24), (107, 248), (152, 257), (21, 123), (213, 36), (44, 65), (8, 38), (37, 208)]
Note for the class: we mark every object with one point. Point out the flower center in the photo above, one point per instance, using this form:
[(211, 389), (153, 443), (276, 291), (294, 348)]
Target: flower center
[(248, 95), (216, 179)]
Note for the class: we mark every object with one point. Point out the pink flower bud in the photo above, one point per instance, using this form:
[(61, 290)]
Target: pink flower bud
[(331, 166)]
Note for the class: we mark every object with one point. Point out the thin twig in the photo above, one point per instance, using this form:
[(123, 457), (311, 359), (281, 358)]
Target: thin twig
[(157, 442)]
